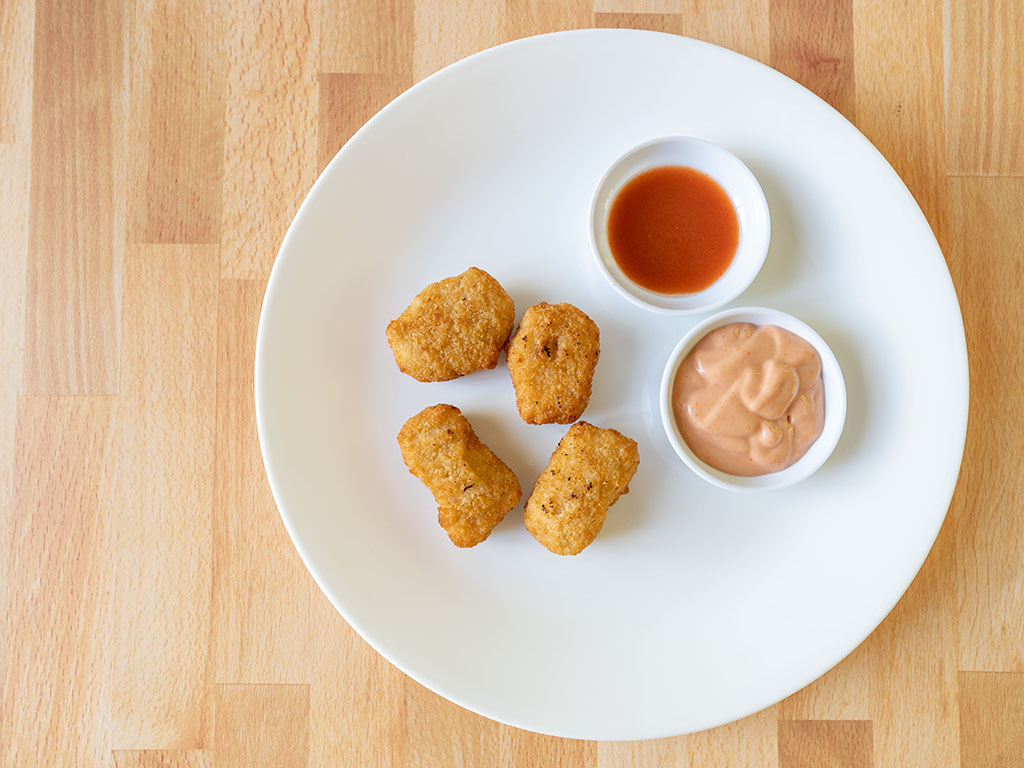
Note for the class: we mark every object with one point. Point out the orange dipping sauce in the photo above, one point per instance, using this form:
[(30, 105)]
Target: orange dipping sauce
[(673, 230)]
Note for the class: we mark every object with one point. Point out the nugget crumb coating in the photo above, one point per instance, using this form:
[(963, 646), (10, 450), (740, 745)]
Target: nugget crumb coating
[(453, 327), (473, 488), (551, 358), (588, 471)]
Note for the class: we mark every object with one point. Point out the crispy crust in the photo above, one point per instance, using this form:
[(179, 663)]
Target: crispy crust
[(453, 327), (473, 488), (589, 470), (551, 358)]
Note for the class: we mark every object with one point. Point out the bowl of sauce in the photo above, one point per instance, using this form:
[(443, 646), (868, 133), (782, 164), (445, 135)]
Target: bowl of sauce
[(679, 225), (753, 399)]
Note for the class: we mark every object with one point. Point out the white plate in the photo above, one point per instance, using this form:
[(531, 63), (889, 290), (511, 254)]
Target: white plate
[(695, 606)]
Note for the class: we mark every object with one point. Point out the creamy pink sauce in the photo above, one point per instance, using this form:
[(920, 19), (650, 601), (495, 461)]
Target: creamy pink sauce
[(749, 399)]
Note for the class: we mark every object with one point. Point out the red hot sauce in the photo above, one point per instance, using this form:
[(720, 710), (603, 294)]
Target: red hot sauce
[(673, 230)]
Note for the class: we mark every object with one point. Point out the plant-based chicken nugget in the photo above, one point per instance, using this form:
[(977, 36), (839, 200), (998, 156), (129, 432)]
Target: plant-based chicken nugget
[(551, 358), (453, 327), (473, 488), (588, 471)]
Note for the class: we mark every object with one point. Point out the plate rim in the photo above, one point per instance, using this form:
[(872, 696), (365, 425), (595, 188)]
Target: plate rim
[(273, 281)]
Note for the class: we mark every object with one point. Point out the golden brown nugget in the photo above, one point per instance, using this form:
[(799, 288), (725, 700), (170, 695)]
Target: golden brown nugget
[(453, 327), (473, 488), (589, 470), (551, 358)]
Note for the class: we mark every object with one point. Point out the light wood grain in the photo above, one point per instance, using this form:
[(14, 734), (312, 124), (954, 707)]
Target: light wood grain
[(55, 694), (262, 725), (154, 613), (448, 30), (441, 733), (270, 147), (250, 545), (985, 86), (913, 669), (349, 100), (14, 178), (162, 510), (16, 33), (751, 741), (176, 123), (148, 758), (359, 706), (367, 36), (900, 108), (992, 719), (987, 229), (825, 744), (842, 693), (815, 51), (637, 6), (76, 246), (536, 17), (14, 186), (536, 749), (742, 25), (671, 23)]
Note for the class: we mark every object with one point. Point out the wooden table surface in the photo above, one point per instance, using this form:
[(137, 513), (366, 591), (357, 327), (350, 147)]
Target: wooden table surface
[(154, 611)]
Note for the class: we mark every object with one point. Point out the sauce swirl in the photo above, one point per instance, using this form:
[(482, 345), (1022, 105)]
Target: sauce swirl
[(750, 400)]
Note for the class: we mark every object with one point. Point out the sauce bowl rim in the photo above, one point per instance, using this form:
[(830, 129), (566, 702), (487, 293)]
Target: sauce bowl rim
[(754, 236), (834, 391)]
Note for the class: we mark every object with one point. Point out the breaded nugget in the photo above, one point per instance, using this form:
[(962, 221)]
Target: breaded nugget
[(453, 327), (588, 471), (551, 357), (473, 488)]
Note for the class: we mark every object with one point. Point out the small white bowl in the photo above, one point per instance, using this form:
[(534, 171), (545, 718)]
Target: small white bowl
[(835, 402), (739, 184)]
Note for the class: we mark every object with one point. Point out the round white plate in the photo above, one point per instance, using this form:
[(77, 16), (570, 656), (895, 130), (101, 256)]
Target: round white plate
[(695, 606)]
